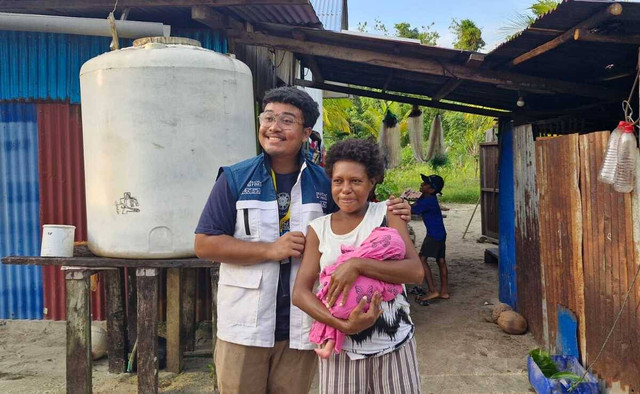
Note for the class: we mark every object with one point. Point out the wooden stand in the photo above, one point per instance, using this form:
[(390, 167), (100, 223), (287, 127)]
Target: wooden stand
[(142, 317)]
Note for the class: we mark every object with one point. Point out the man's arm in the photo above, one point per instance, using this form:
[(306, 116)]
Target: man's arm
[(214, 235), (227, 249)]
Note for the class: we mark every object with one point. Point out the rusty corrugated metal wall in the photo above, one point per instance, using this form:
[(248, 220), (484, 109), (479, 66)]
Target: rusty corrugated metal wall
[(560, 218), (610, 263), (528, 273), (62, 195)]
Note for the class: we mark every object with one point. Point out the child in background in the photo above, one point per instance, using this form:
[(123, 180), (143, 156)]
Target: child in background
[(384, 243), (434, 244)]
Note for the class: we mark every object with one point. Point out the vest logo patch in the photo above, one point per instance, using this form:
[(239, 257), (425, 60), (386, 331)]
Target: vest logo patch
[(252, 188), (322, 199)]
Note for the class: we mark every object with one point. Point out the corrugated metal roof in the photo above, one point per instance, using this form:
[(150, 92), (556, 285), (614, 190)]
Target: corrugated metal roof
[(294, 14), (329, 12), (300, 14), (20, 286), (62, 195)]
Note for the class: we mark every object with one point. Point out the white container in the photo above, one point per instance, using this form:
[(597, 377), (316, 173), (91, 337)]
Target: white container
[(57, 240), (159, 120)]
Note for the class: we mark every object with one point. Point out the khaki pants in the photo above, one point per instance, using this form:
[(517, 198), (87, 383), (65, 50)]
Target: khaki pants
[(249, 369)]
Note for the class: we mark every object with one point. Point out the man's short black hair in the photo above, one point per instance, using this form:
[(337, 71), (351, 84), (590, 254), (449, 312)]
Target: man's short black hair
[(296, 97), (364, 152)]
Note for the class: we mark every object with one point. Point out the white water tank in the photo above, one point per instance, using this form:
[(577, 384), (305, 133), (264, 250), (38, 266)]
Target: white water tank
[(158, 120)]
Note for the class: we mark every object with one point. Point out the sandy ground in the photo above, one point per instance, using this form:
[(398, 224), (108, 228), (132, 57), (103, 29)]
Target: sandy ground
[(458, 351)]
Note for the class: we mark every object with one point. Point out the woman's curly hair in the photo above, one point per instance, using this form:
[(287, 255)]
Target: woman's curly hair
[(364, 152)]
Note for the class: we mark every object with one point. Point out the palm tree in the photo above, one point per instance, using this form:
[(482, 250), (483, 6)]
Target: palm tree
[(335, 116), (522, 20)]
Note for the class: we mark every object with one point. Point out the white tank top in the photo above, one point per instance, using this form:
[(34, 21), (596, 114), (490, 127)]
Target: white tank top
[(394, 327)]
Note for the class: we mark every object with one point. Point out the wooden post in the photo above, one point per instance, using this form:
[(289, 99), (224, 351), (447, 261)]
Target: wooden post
[(189, 308), (116, 323), (174, 320), (147, 283), (78, 332), (214, 319), (132, 308)]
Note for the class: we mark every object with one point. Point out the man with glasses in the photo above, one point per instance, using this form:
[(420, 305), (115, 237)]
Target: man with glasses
[(255, 223)]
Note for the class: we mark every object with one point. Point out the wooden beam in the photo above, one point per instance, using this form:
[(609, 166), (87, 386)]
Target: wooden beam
[(208, 16), (132, 307), (311, 64), (188, 329), (79, 361), (214, 321), (387, 82), (82, 4), (116, 320), (612, 10), (474, 61), (539, 30), (424, 66), (174, 320), (403, 99), (448, 87), (586, 35), (147, 279)]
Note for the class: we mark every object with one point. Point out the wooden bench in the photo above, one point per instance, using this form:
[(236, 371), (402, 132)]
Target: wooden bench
[(122, 329)]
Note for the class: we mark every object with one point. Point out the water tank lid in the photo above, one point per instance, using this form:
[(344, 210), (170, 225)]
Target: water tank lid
[(166, 40)]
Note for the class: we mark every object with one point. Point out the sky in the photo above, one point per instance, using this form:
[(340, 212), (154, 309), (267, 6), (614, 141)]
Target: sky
[(488, 15)]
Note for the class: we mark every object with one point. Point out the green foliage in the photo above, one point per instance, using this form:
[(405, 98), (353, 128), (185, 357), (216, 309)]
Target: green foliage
[(425, 35), (544, 361), (407, 156), (522, 20), (549, 369), (212, 369), (542, 7), (362, 117), (403, 29), (390, 119), (439, 161), (468, 35), (460, 184)]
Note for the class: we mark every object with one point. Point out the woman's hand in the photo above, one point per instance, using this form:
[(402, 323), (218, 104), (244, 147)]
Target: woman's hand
[(341, 282), (360, 320), (400, 207)]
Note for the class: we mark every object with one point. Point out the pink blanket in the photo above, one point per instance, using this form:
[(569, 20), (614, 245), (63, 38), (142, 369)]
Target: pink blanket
[(384, 243)]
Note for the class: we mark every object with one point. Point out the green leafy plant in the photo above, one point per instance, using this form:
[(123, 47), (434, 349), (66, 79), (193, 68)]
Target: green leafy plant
[(439, 161), (212, 369), (549, 368)]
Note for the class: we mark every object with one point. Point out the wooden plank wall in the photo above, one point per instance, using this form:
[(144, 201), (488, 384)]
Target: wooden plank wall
[(489, 155), (610, 263), (528, 274), (560, 221)]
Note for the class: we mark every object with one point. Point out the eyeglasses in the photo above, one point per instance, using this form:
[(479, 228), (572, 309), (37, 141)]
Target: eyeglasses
[(285, 121)]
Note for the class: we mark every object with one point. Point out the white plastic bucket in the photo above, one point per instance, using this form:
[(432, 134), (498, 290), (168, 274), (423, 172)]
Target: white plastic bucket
[(57, 240)]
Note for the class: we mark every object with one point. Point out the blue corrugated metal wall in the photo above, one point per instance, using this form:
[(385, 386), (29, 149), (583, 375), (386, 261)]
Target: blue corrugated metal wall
[(209, 39), (20, 286), (508, 291), (46, 66)]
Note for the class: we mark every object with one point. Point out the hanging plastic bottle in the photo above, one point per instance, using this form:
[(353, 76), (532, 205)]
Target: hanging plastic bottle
[(627, 155), (607, 172)]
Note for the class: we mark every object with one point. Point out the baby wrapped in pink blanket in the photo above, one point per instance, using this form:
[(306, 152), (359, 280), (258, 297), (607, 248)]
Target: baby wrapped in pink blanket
[(384, 243)]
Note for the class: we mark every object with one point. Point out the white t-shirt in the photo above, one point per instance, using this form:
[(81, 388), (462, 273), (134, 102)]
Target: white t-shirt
[(394, 327)]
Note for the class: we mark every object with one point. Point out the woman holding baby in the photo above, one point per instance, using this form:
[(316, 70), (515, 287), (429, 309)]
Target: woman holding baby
[(361, 310)]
